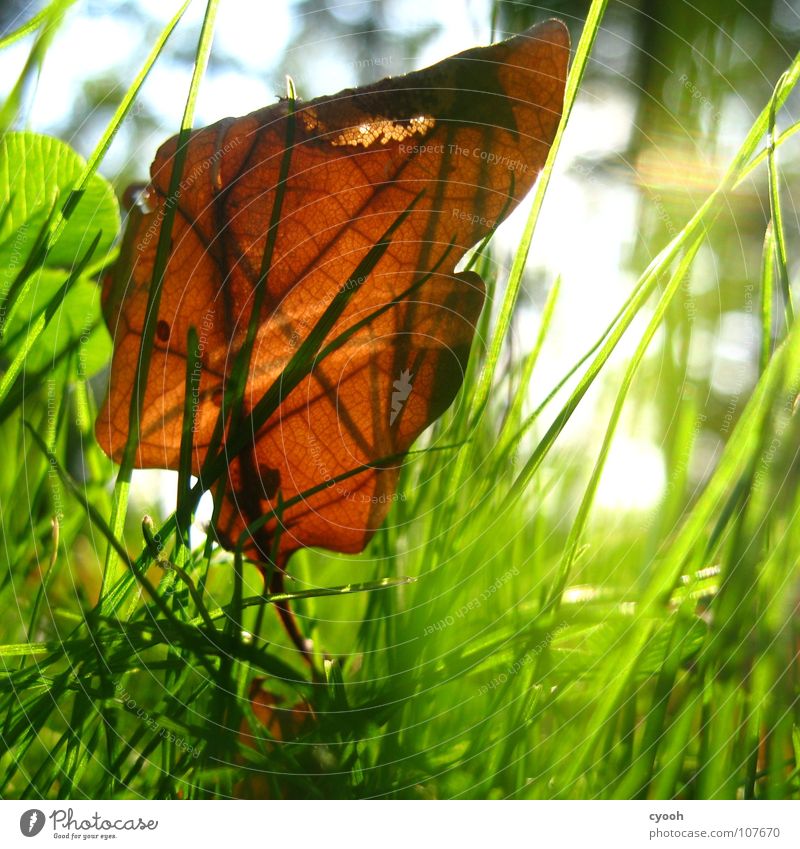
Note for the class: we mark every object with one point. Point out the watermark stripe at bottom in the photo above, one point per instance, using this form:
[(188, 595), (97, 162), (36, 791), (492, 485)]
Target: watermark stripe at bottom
[(364, 824)]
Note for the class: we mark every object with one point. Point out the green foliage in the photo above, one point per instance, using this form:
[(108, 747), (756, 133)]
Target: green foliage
[(504, 635), (37, 175)]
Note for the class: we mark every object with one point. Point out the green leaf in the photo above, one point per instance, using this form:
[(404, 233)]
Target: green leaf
[(77, 323), (37, 173)]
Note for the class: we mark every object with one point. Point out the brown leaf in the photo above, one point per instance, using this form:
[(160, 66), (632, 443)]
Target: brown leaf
[(468, 136)]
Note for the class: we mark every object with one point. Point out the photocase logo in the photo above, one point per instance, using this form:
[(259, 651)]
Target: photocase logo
[(31, 822), (402, 389)]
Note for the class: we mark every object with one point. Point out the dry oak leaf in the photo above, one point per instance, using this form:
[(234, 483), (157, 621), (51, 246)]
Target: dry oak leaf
[(458, 144)]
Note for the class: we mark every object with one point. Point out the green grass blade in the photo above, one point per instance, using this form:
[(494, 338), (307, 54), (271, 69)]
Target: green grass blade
[(578, 526), (767, 278), (120, 503), (776, 213), (28, 27), (579, 63), (43, 319)]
